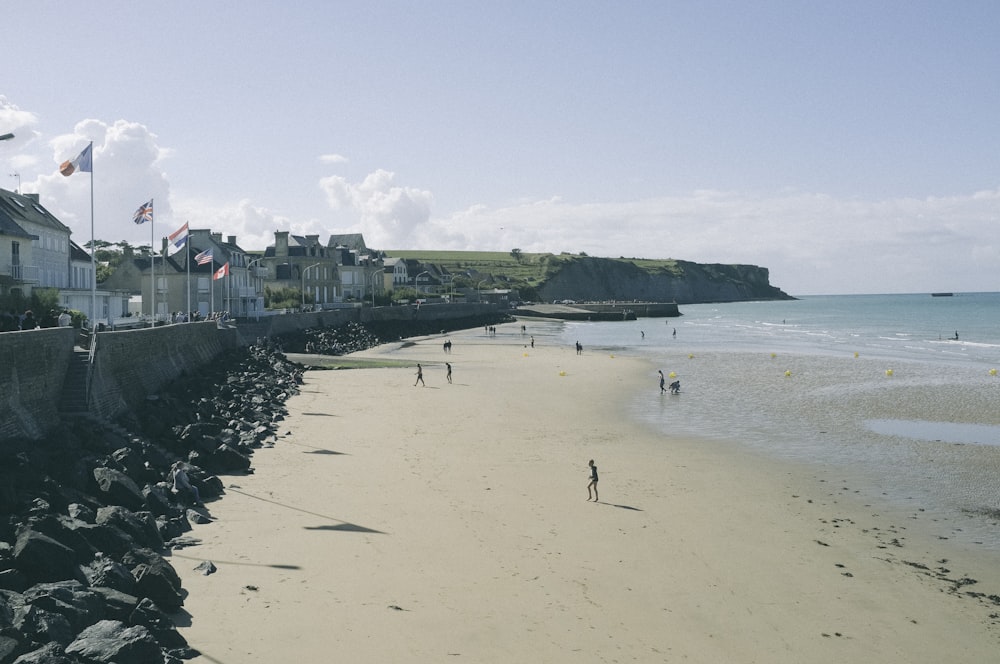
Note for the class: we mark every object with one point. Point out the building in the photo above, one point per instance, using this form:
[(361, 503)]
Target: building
[(36, 252), (303, 263)]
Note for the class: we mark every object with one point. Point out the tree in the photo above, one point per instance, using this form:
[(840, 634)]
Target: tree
[(516, 254)]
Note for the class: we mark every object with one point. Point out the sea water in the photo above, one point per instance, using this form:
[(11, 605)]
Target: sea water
[(873, 389)]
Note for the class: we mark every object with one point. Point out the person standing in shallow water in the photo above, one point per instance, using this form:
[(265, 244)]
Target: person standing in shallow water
[(662, 381), (593, 481), (420, 376)]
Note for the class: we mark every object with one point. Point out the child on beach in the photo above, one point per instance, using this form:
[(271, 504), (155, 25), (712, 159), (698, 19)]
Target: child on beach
[(593, 480)]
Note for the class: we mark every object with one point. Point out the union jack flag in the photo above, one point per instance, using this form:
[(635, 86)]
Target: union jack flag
[(204, 257), (144, 213)]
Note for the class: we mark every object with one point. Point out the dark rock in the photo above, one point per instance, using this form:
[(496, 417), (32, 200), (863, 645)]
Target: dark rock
[(158, 497), (227, 459), (9, 648), (50, 653), (70, 599), (210, 487), (172, 528), (155, 579), (196, 517), (141, 526), (42, 558), (62, 529), (111, 641), (119, 488), (207, 567), (81, 513), (160, 626), (105, 538), (117, 605), (42, 626), (106, 573), (13, 579)]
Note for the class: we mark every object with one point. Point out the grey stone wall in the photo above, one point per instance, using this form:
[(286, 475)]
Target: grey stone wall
[(33, 367), (132, 364)]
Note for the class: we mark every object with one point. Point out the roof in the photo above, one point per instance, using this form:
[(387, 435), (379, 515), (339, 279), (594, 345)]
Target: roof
[(17, 210), (354, 241)]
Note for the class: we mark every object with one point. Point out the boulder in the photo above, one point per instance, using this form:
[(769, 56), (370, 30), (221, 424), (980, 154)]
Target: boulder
[(42, 558), (118, 488), (155, 579), (106, 573), (111, 641), (158, 623), (42, 626), (81, 513), (9, 647), (227, 459), (117, 605), (50, 653), (141, 526), (70, 599)]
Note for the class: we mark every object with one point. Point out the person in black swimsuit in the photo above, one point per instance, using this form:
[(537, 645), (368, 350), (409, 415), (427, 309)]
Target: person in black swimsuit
[(593, 481)]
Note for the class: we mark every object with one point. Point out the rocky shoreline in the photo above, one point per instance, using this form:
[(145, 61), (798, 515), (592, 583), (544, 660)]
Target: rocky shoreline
[(87, 514)]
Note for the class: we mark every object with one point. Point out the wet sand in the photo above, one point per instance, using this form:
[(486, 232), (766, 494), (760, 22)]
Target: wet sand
[(394, 523)]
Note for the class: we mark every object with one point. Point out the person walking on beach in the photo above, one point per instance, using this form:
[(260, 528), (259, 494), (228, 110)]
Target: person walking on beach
[(662, 381), (532, 342), (448, 364), (420, 376), (593, 480)]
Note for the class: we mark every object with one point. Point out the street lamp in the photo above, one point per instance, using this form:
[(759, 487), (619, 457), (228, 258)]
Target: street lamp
[(416, 281), (304, 283), (374, 274), (479, 291), (255, 278)]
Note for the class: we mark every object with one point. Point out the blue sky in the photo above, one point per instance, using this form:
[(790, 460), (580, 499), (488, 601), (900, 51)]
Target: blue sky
[(849, 147)]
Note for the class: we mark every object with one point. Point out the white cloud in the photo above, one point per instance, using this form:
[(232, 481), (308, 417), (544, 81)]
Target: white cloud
[(333, 159), (386, 213)]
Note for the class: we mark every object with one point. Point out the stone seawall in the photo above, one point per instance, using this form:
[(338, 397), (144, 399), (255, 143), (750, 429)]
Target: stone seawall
[(132, 364), (33, 367)]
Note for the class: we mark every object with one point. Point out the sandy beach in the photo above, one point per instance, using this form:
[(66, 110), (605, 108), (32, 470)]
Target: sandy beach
[(402, 523)]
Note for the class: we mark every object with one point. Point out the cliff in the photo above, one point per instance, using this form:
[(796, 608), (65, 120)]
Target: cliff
[(598, 279)]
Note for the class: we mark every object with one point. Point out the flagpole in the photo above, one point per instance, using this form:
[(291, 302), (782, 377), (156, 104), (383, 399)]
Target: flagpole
[(187, 249), (152, 261), (93, 249), (211, 281)]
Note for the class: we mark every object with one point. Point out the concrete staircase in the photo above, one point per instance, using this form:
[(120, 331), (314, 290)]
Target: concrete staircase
[(74, 392)]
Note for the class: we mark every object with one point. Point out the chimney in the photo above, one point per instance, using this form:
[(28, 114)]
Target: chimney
[(281, 243), (231, 239), (217, 237)]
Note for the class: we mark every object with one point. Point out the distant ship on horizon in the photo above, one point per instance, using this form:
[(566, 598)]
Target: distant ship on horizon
[(941, 294)]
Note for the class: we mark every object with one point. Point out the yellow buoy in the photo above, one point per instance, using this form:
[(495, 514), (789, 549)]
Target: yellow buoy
[(612, 357), (774, 355), (788, 374), (690, 357), (888, 372), (562, 373), (673, 374), (993, 372), (526, 355), (855, 353)]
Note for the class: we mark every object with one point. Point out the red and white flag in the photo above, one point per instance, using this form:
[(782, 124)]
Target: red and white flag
[(221, 272)]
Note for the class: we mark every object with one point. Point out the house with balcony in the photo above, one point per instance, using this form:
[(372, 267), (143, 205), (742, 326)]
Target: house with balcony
[(305, 264), (36, 252)]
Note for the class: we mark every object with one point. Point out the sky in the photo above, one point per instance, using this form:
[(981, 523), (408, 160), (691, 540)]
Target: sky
[(848, 147)]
